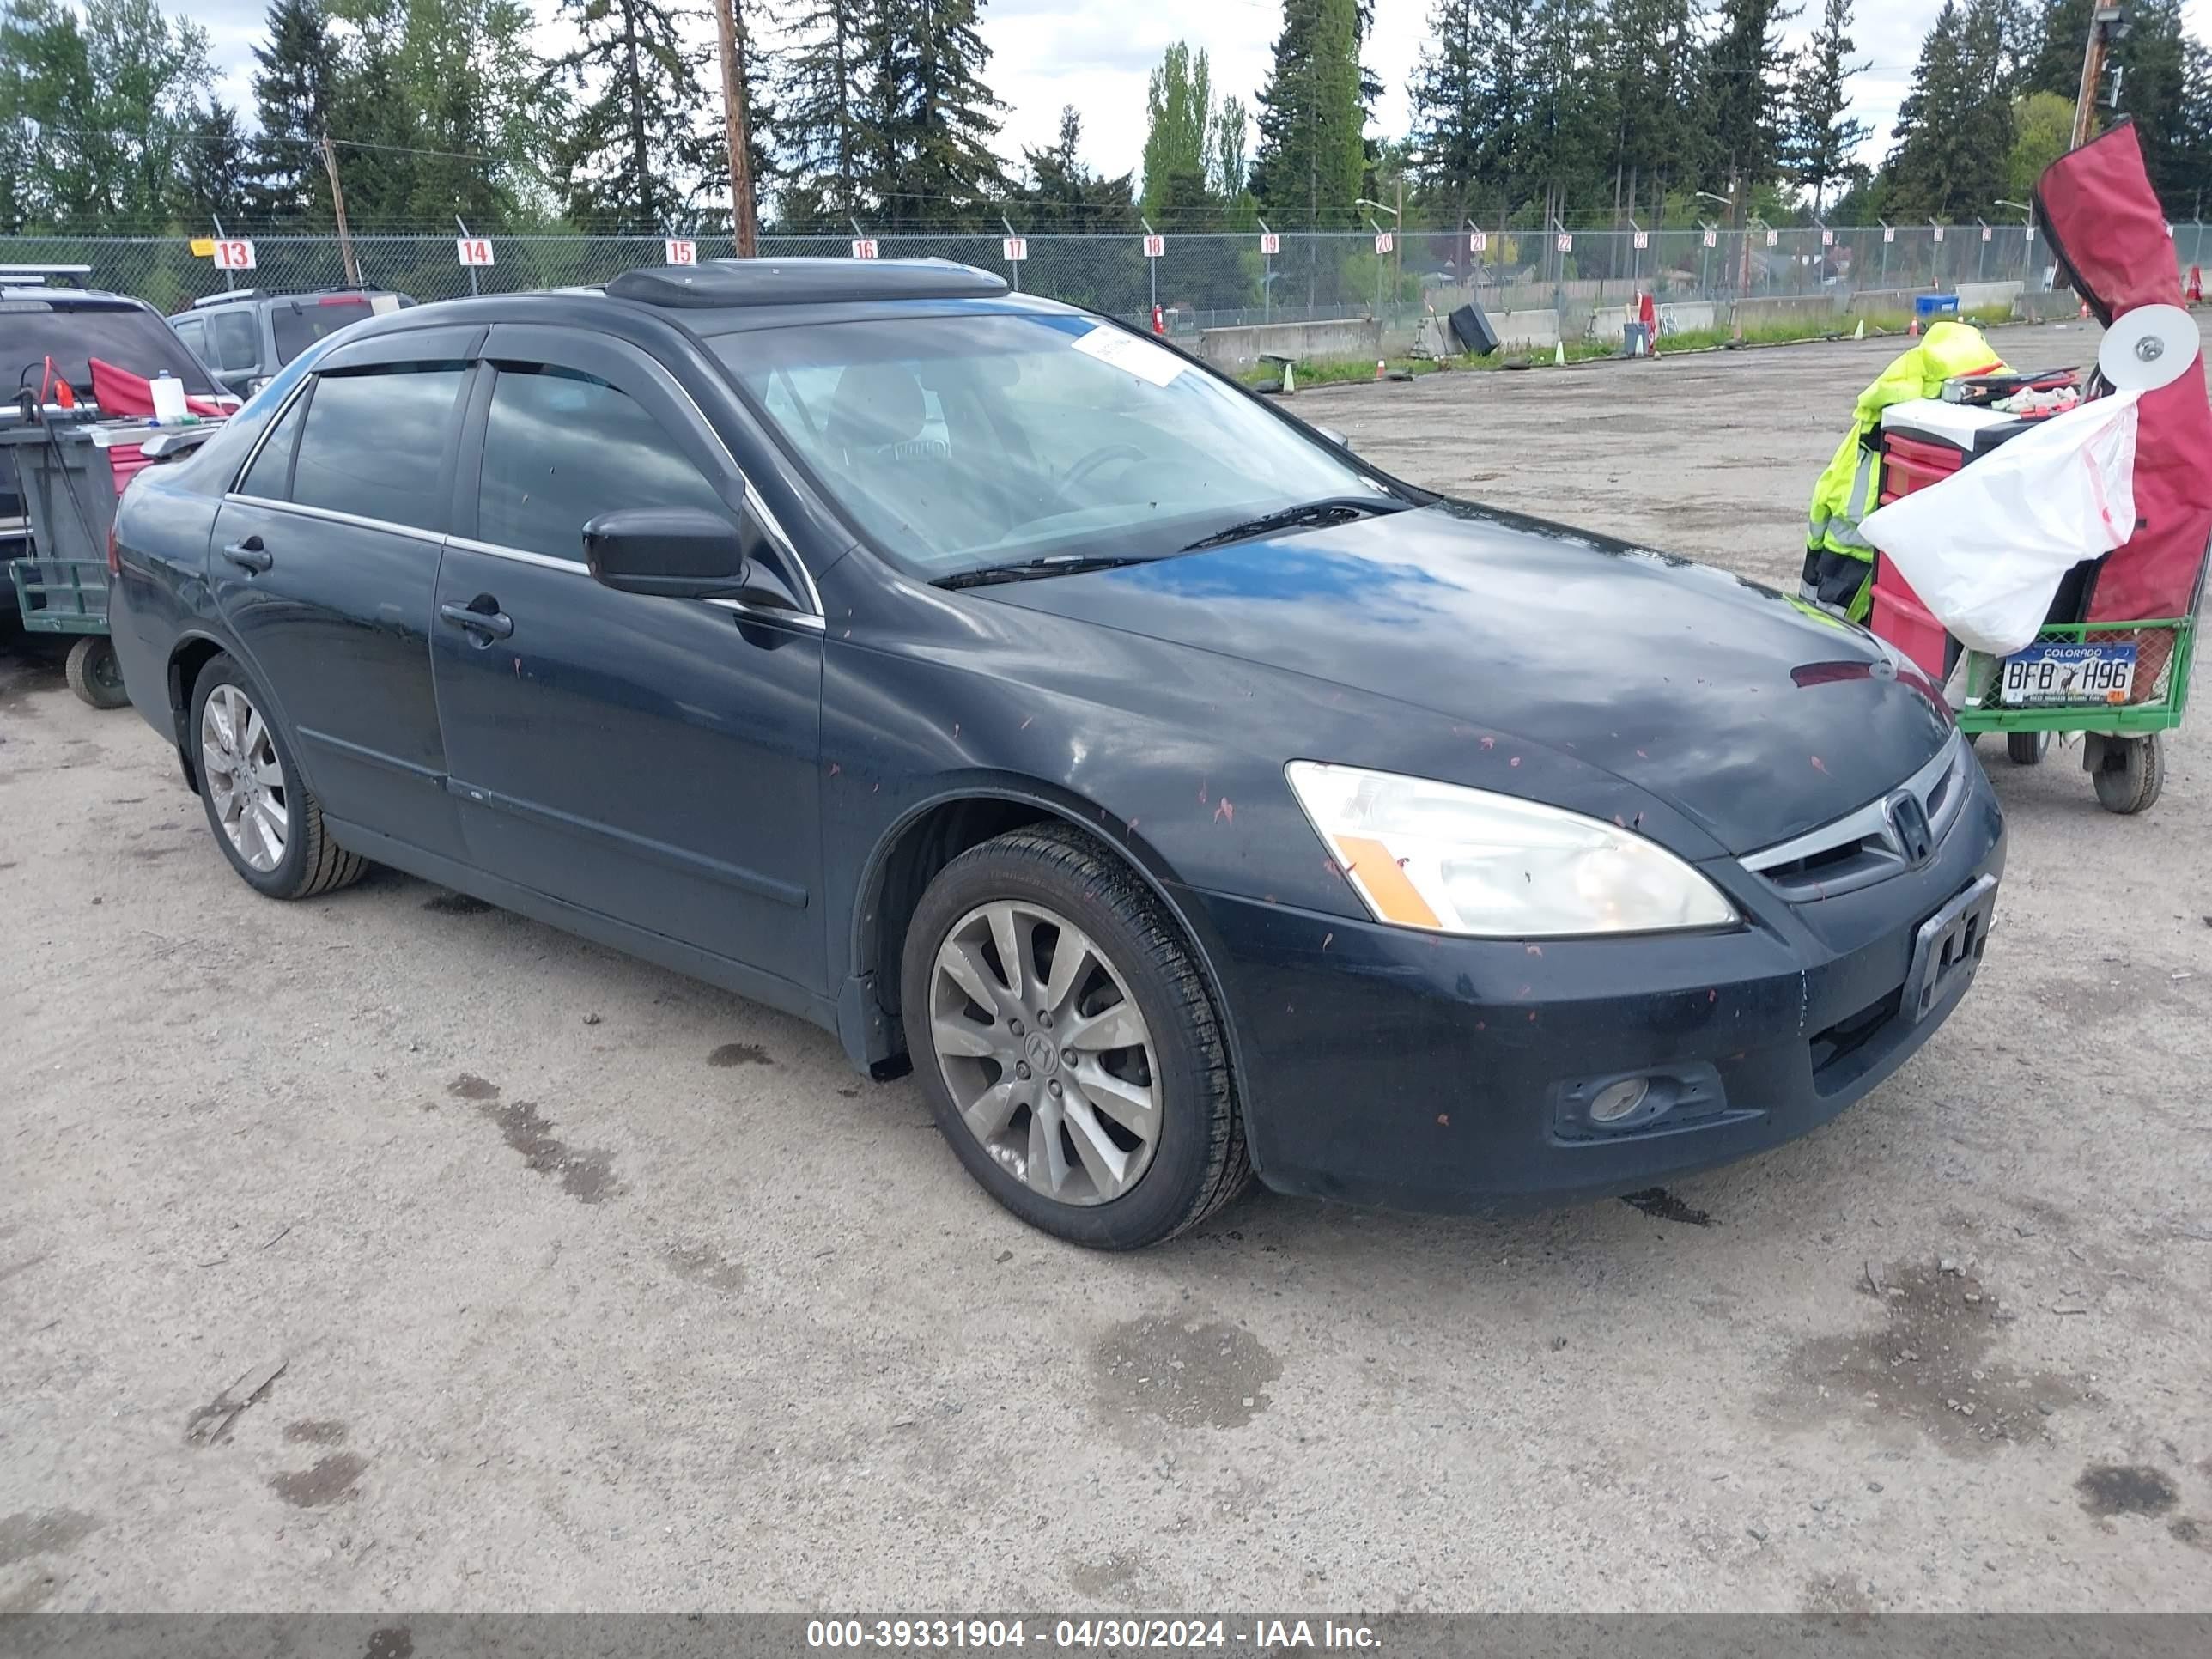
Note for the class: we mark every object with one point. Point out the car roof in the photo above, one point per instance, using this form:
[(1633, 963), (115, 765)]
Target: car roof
[(257, 296), (72, 299), (819, 291)]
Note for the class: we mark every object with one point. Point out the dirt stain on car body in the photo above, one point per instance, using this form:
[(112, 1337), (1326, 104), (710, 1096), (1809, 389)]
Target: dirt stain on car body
[(1184, 1374), (1927, 1367)]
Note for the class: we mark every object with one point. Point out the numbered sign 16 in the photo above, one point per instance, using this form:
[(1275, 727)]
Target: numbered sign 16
[(1016, 249), (682, 251), (473, 250), (1270, 243), (233, 254), (864, 247), (1155, 246)]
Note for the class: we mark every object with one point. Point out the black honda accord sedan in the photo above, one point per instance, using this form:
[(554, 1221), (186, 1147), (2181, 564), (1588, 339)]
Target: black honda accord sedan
[(1012, 695)]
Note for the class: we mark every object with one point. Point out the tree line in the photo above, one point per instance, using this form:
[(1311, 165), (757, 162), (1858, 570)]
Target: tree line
[(880, 111)]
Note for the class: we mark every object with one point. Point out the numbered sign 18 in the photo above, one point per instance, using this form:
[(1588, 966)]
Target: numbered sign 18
[(473, 250), (1155, 246), (682, 251), (233, 254), (864, 247), (1016, 249), (1270, 243)]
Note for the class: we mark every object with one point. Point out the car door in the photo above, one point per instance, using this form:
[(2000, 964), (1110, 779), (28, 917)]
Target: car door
[(653, 760), (323, 562)]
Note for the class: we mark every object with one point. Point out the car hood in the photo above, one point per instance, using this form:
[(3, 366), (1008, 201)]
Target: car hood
[(1755, 715)]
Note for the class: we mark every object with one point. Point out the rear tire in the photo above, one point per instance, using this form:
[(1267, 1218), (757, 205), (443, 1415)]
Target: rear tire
[(1059, 1161), (265, 819), (95, 673), (2026, 748), (2132, 776)]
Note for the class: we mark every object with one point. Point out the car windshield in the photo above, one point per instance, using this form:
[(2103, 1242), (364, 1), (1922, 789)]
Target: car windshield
[(300, 323), (963, 442), (31, 332)]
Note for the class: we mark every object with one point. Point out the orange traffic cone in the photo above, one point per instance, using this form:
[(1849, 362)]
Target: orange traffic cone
[(1912, 328), (1379, 368)]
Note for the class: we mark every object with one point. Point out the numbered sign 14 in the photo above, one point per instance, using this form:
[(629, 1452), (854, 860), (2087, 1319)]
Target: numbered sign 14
[(473, 250)]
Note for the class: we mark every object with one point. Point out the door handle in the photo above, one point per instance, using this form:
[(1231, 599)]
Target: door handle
[(248, 554), (493, 624)]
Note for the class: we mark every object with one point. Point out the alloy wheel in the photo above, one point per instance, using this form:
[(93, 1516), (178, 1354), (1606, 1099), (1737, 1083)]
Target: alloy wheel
[(245, 778), (1047, 1056)]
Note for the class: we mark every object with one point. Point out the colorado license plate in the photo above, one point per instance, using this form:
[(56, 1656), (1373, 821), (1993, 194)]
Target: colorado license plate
[(2057, 673)]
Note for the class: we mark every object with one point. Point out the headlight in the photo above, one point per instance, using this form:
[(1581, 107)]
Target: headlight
[(1451, 859)]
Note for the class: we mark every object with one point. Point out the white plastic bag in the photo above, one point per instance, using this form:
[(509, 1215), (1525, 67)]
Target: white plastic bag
[(1985, 549)]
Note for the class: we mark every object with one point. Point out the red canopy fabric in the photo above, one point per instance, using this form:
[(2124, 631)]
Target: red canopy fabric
[(118, 391), (2103, 219)]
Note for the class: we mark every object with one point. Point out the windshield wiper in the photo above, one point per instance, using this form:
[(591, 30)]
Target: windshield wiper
[(1063, 564), (1307, 515)]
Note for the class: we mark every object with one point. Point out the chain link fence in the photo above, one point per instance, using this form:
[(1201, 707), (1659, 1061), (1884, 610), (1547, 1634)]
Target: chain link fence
[(1199, 281)]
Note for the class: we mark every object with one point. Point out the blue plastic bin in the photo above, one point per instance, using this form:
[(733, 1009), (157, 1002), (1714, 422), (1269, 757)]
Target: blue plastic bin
[(1926, 306)]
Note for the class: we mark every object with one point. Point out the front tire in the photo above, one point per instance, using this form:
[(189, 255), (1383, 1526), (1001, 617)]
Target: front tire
[(1068, 1045), (265, 819)]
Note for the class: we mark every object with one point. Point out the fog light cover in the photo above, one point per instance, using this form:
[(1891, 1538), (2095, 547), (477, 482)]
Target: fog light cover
[(1618, 1100)]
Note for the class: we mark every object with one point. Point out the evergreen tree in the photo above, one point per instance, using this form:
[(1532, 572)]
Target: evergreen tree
[(1061, 195), (1469, 99), (1229, 159), (45, 91), (2060, 37), (1823, 135), (214, 172), (469, 85), (1744, 73), (1312, 157), (819, 125), (927, 117), (1658, 97), (1179, 134), (637, 140), (1954, 126), (1560, 149), (2042, 126), (292, 99)]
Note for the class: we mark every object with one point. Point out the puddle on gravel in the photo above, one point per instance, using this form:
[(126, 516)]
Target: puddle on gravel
[(469, 1086), (702, 1264), (587, 1176), (42, 1532), (455, 904), (2110, 1489), (740, 1054), (1928, 1367), (1186, 1375), (331, 1480), (316, 1432), (1663, 1205)]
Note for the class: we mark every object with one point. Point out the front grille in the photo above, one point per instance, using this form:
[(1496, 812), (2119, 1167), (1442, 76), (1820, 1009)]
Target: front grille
[(1868, 845), (1847, 1036)]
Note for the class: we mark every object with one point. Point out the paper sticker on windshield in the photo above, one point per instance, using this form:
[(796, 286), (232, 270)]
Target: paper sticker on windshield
[(1140, 357)]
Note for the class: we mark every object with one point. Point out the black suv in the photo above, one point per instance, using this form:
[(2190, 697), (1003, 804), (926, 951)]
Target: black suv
[(41, 322), (248, 334)]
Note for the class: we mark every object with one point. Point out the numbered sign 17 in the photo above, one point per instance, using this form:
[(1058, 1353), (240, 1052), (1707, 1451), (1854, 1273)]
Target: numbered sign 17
[(1016, 249), (473, 250), (682, 251), (233, 254)]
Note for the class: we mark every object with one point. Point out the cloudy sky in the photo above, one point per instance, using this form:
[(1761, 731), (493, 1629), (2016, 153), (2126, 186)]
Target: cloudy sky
[(1095, 54)]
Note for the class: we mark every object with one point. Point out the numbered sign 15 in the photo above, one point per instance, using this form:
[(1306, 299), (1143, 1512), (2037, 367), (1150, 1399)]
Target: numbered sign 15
[(682, 251)]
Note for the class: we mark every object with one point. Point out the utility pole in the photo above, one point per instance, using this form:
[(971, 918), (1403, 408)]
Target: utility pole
[(337, 209), (1398, 245), (2107, 23), (745, 227)]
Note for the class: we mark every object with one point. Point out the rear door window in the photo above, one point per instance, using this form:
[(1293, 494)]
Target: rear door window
[(231, 342), (271, 475), (376, 441), (298, 324), (560, 448)]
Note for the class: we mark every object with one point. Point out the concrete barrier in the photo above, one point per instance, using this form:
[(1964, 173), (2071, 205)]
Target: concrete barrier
[(2047, 308), (1674, 318), (1524, 329), (1811, 309), (1237, 349), (1975, 296)]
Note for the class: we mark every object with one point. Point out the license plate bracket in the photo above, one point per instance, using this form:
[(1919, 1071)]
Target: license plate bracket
[(1947, 950), (2060, 673)]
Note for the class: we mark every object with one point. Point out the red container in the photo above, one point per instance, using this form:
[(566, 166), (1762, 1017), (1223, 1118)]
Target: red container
[(1911, 464), (1899, 617)]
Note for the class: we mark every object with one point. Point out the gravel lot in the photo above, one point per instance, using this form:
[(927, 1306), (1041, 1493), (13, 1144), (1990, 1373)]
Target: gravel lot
[(596, 1288)]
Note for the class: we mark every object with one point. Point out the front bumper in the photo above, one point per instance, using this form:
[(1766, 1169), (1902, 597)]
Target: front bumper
[(1383, 1065)]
